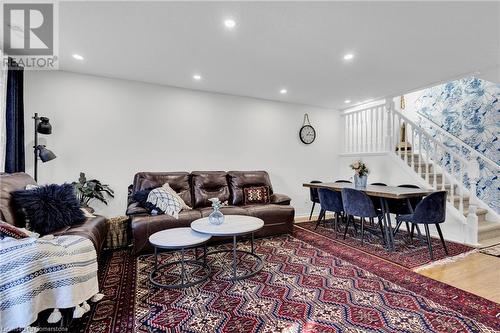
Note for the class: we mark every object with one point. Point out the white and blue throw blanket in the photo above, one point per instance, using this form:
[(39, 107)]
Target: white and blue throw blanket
[(44, 273)]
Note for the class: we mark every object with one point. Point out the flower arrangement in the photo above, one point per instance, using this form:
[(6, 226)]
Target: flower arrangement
[(360, 168), (216, 204)]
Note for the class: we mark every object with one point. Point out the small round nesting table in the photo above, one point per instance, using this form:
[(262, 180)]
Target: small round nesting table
[(180, 239), (234, 225)]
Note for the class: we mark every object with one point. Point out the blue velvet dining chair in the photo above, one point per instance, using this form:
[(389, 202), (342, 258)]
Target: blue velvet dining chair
[(431, 210), (343, 181), (330, 201), (376, 202), (357, 203), (313, 195), (400, 207)]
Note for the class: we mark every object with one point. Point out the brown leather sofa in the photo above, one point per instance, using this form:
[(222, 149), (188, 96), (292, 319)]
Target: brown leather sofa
[(195, 189), (93, 228)]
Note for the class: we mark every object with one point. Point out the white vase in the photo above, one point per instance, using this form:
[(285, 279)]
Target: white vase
[(360, 181)]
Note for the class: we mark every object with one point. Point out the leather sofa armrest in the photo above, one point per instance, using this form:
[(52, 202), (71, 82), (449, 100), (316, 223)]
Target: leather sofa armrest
[(135, 209), (280, 199)]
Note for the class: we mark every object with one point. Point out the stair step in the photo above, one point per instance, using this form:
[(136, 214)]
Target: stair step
[(409, 158), (489, 242), (456, 202), (439, 178), (488, 230), (481, 215), (422, 165)]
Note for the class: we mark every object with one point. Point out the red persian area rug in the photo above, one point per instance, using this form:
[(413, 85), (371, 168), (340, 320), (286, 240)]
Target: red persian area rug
[(308, 284), (409, 254)]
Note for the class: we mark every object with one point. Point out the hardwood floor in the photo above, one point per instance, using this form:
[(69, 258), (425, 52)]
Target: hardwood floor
[(477, 273)]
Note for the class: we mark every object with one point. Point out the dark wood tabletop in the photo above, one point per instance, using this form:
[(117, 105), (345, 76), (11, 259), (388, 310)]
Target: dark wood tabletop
[(389, 192)]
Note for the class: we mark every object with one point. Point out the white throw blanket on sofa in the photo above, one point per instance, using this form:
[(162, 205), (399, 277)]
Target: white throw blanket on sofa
[(44, 273)]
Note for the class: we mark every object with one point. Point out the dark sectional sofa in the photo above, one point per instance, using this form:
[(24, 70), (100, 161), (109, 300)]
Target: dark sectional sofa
[(195, 189), (94, 228)]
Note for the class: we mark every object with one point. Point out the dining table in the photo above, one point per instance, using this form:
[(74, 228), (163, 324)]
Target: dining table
[(384, 194)]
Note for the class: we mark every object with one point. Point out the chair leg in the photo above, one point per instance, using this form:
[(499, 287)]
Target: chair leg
[(362, 230), (312, 210), (408, 230), (396, 229), (321, 213), (381, 229), (429, 241), (442, 239), (412, 231), (347, 226), (336, 223)]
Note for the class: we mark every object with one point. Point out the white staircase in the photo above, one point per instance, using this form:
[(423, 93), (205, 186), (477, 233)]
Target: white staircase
[(376, 129)]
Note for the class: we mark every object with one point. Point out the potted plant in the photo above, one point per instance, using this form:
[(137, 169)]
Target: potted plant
[(93, 189), (360, 174)]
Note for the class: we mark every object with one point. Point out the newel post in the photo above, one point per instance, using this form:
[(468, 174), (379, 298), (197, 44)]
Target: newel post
[(472, 225), (389, 139)]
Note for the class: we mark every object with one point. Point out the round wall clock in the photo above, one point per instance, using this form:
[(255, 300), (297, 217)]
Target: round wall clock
[(307, 134)]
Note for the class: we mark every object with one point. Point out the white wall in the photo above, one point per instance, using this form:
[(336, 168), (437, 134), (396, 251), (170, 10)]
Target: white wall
[(111, 129)]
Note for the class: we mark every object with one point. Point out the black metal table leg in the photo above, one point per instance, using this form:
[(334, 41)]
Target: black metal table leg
[(156, 257), (389, 224), (386, 228), (234, 257), (185, 281), (251, 242)]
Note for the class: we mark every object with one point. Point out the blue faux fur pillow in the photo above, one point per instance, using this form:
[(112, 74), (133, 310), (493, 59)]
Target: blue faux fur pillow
[(49, 208)]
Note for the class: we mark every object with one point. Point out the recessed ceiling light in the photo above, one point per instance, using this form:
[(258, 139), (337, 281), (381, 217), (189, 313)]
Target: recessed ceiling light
[(349, 56), (230, 23), (77, 57), (283, 91), (197, 77), (347, 101)]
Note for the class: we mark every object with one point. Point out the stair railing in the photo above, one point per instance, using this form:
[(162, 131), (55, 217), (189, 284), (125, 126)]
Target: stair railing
[(474, 154), (376, 129), (431, 154), (366, 130)]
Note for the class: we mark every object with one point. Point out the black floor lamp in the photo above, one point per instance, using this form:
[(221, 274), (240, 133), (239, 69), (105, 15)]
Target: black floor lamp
[(42, 126)]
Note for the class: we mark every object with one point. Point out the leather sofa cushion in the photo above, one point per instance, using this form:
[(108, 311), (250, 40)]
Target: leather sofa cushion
[(226, 210), (272, 214), (238, 180), (179, 181), (94, 228), (145, 226), (209, 184), (10, 182)]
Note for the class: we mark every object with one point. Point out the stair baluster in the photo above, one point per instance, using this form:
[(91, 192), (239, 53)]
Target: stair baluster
[(461, 189), (452, 181), (413, 156), (434, 180)]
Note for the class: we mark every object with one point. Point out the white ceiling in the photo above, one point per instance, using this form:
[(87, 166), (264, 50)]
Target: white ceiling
[(398, 46)]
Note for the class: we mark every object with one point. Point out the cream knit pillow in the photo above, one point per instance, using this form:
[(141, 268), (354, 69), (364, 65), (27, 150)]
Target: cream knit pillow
[(170, 190)]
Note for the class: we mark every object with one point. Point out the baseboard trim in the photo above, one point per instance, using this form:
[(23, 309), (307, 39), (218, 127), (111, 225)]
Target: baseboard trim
[(305, 218)]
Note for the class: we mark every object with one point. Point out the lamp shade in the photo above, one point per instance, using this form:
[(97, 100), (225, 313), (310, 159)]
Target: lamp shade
[(45, 154), (44, 126)]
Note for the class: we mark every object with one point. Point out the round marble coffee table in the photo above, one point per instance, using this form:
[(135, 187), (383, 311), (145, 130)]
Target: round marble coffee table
[(234, 225), (175, 239)]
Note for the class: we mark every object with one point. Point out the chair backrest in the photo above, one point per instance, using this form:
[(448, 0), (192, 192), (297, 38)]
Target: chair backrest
[(357, 203), (379, 184), (409, 186), (330, 200), (343, 181), (432, 209), (313, 192)]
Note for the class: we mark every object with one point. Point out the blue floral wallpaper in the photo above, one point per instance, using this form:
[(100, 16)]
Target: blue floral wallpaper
[(469, 109)]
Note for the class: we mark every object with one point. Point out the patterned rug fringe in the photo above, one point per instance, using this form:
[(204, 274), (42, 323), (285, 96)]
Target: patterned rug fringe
[(445, 260)]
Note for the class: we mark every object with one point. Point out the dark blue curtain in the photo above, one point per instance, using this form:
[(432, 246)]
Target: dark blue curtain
[(14, 117)]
